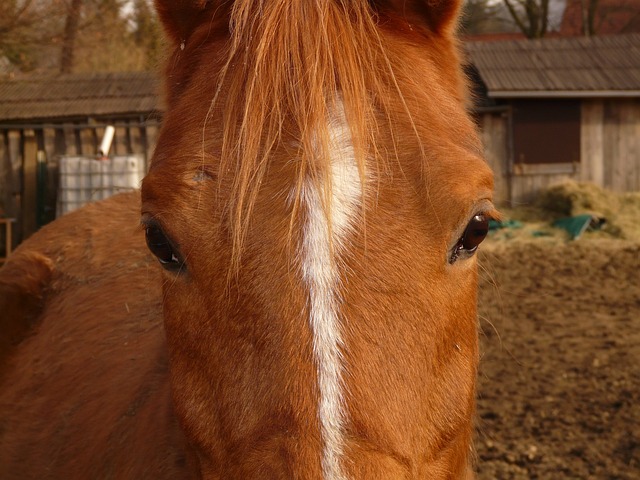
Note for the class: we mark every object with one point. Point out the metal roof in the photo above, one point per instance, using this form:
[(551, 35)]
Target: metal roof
[(78, 95), (556, 67)]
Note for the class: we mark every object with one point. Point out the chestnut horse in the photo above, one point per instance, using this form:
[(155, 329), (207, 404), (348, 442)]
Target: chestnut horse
[(313, 205)]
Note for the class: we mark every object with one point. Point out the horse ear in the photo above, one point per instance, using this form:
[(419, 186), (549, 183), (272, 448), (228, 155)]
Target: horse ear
[(24, 281), (438, 16), (181, 17)]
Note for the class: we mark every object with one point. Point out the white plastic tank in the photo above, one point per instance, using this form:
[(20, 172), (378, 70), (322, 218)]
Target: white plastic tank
[(87, 179)]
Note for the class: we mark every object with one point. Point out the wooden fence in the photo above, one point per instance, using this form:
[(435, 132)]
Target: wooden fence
[(29, 163)]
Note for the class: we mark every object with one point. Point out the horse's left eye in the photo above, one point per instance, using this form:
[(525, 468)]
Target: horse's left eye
[(161, 247), (473, 236)]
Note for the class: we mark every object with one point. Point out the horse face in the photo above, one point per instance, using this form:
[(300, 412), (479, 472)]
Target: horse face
[(316, 227)]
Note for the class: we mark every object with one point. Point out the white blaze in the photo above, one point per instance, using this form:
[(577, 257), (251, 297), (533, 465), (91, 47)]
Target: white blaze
[(325, 232)]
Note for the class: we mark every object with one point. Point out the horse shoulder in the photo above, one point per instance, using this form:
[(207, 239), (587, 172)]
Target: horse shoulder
[(84, 382)]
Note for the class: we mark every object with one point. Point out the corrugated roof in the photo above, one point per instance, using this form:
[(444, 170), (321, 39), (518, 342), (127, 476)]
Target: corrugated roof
[(572, 66), (82, 95)]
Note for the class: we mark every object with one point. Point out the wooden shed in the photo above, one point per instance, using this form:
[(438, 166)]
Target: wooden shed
[(559, 108), (42, 119)]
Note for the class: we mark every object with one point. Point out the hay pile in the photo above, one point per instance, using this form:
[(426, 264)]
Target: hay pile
[(571, 198), (567, 199)]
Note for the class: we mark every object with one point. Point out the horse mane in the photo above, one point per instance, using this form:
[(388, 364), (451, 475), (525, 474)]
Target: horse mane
[(286, 63)]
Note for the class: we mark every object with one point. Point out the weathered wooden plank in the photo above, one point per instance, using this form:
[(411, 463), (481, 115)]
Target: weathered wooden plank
[(151, 130), (121, 140), (628, 175), (629, 147), (29, 196), (6, 197), (621, 144), (72, 145), (49, 142), (546, 169), (50, 183), (591, 142), (494, 136), (99, 136), (137, 137), (88, 142), (526, 188), (5, 173), (611, 151), (60, 147), (634, 143), (15, 154), (14, 203)]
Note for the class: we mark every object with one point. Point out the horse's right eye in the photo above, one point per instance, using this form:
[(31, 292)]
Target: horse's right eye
[(476, 231), (161, 247)]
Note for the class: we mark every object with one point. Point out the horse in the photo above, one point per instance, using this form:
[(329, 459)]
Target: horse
[(305, 303)]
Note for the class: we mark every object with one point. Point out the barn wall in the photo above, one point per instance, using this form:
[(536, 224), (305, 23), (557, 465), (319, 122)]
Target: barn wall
[(494, 133), (611, 143), (609, 152), (528, 180), (515, 183), (591, 148), (29, 154)]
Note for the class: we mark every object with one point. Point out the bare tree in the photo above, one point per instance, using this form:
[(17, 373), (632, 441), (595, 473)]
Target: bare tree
[(484, 16), (617, 16), (24, 26), (588, 8), (531, 16), (12, 13), (107, 35), (71, 26), (69, 36), (147, 32)]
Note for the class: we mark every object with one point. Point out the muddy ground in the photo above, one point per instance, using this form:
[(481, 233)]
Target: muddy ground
[(559, 390)]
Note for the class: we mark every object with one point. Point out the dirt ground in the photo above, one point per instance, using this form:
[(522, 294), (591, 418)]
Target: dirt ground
[(559, 390)]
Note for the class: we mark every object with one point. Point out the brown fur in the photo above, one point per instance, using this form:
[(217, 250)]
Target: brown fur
[(89, 385), (22, 289), (250, 86)]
